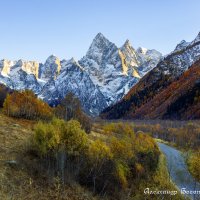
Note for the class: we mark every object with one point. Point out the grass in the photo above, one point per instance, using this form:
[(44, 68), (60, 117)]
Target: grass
[(16, 183)]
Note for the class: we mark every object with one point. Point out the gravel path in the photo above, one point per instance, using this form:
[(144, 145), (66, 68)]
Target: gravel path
[(178, 171)]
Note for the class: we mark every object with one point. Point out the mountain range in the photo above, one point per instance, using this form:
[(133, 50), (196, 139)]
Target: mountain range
[(171, 90), (100, 79)]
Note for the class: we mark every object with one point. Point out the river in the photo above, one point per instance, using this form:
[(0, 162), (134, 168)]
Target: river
[(178, 171)]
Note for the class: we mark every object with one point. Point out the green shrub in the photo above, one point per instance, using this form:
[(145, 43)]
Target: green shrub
[(105, 166), (59, 135), (194, 164), (122, 172), (47, 137), (74, 138)]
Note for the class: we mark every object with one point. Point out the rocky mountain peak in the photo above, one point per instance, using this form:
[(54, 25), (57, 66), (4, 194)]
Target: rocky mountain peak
[(181, 45), (52, 59), (19, 63), (130, 54), (73, 64), (127, 43), (51, 68), (72, 60), (127, 46), (142, 50), (100, 41), (100, 36), (30, 67), (5, 61), (197, 39), (5, 66), (101, 49)]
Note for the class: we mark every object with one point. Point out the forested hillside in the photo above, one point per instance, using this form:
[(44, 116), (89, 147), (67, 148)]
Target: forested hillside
[(165, 98)]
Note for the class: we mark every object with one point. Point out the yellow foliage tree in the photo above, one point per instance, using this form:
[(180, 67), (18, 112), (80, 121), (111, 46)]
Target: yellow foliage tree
[(26, 105)]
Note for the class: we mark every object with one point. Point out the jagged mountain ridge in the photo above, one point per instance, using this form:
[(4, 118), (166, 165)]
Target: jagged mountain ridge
[(79, 83), (20, 75), (115, 70), (102, 77), (153, 83)]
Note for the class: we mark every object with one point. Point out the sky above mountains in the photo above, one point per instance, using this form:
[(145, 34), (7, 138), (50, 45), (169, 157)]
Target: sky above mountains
[(33, 30)]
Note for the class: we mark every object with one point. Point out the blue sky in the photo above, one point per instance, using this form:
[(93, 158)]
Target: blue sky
[(34, 29)]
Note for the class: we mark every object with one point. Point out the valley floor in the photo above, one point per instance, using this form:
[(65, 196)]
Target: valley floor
[(17, 183)]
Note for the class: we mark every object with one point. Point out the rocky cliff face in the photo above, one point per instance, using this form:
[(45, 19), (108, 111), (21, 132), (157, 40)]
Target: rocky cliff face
[(102, 77)]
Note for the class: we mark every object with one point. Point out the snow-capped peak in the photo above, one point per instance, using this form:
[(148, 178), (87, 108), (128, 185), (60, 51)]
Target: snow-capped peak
[(67, 62), (75, 63), (100, 41), (181, 45), (99, 35), (72, 60), (197, 39), (100, 48), (127, 43), (130, 54), (114, 70), (51, 68), (52, 59), (5, 66), (142, 50), (19, 62), (128, 47)]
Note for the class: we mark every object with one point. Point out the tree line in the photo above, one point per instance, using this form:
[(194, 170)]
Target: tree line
[(26, 105)]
